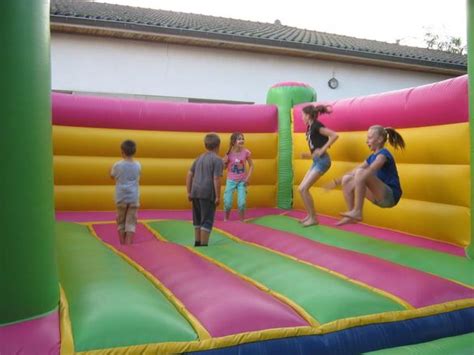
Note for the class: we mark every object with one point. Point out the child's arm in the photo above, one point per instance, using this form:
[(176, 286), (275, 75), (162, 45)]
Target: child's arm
[(338, 181), (250, 162), (332, 137), (189, 183), (217, 189), (376, 165), (225, 160), (367, 169), (112, 172), (217, 173)]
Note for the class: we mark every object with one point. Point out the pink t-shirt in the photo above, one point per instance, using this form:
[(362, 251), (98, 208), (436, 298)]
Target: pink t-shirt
[(236, 166)]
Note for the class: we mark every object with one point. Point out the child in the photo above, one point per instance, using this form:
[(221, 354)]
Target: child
[(319, 140), (375, 179), (126, 174), (235, 161), (203, 184)]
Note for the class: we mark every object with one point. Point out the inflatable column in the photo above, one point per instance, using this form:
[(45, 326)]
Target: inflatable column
[(470, 70), (285, 96), (28, 267)]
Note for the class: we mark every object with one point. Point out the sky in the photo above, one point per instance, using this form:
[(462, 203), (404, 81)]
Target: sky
[(387, 21)]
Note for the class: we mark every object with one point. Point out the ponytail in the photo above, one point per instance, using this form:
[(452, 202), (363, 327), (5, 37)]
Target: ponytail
[(394, 138), (388, 133), (315, 111)]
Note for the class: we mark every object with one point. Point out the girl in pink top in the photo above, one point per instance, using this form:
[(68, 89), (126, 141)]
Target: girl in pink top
[(237, 178)]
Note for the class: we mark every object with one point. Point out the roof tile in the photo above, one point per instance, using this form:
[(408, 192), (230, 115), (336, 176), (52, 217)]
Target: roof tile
[(240, 30)]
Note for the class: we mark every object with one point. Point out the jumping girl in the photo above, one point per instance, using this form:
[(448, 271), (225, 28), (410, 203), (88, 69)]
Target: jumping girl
[(319, 138), (375, 179)]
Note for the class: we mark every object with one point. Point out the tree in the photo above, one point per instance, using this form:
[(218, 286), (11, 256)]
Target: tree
[(448, 44)]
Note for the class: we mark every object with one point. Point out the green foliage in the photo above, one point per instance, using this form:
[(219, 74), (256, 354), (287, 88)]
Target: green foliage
[(447, 44)]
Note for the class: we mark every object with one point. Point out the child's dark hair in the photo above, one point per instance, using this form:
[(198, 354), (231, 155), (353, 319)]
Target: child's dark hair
[(315, 111), (233, 139), (128, 147), (390, 134), (212, 141)]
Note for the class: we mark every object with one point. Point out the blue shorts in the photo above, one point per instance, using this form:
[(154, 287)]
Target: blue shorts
[(387, 201), (321, 164)]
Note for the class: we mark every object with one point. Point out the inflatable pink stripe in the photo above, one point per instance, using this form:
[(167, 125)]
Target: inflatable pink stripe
[(85, 216), (440, 103), (233, 306), (36, 336), (415, 287), (105, 112), (387, 234)]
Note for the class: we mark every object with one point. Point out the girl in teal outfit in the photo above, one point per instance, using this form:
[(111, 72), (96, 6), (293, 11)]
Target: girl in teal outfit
[(236, 160)]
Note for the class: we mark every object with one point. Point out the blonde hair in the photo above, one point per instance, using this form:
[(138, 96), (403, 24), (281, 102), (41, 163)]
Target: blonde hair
[(388, 133)]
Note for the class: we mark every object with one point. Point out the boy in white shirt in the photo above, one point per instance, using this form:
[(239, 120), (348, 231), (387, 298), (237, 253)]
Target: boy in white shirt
[(126, 174)]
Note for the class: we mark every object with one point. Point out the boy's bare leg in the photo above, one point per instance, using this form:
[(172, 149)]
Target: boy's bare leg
[(121, 234), (197, 236), (204, 237), (129, 237)]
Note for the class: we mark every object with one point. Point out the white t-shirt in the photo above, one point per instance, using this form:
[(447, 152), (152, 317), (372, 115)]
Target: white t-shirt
[(127, 177)]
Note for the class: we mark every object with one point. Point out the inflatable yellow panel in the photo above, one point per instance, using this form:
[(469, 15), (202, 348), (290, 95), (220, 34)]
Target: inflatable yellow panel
[(153, 144), (101, 197), (83, 170), (425, 145), (432, 220), (446, 184), (84, 156)]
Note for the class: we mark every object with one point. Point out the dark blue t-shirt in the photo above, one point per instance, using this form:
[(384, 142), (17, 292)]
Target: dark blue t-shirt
[(388, 173)]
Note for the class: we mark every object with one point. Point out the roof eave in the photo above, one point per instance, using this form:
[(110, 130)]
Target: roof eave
[(129, 30)]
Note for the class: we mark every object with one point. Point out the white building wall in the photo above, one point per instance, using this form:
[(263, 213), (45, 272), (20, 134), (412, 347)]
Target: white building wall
[(118, 66)]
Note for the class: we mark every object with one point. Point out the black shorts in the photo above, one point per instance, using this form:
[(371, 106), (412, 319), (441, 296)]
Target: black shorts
[(204, 211)]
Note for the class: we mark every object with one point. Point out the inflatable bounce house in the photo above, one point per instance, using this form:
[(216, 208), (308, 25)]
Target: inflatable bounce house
[(400, 282)]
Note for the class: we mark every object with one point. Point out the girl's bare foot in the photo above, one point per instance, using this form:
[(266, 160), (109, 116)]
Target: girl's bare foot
[(310, 222), (354, 215), (303, 219), (344, 221)]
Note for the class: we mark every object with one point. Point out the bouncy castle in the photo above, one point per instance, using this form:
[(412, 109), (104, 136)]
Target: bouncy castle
[(401, 281)]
